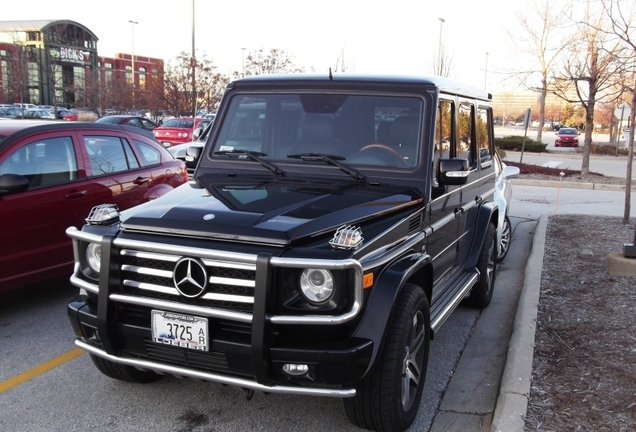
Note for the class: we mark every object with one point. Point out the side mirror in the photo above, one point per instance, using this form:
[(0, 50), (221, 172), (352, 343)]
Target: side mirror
[(453, 171), (511, 172), (196, 134), (192, 155), (13, 183)]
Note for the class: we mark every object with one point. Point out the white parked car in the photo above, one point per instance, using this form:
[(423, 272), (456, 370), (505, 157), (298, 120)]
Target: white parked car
[(503, 196)]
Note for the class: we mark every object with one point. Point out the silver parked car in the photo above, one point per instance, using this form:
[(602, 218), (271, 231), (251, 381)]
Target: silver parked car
[(503, 196)]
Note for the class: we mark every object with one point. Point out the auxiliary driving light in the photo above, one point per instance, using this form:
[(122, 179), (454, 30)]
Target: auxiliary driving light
[(103, 214)]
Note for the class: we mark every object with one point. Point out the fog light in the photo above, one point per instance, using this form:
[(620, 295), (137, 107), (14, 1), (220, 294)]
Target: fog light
[(295, 369)]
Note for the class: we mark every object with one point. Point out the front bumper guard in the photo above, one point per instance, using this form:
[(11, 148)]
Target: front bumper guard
[(238, 382)]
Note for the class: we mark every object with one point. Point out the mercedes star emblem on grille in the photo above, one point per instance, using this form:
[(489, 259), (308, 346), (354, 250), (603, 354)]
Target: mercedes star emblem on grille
[(190, 277)]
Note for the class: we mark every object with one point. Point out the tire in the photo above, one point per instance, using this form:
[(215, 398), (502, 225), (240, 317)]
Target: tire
[(388, 399), (506, 237), (122, 372), (481, 293)]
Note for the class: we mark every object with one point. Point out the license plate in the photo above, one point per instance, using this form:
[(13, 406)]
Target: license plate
[(185, 331)]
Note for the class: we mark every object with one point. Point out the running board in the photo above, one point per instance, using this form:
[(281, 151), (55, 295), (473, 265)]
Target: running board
[(441, 312)]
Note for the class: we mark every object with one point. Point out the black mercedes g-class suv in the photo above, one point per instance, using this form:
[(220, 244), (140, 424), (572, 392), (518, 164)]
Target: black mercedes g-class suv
[(332, 225)]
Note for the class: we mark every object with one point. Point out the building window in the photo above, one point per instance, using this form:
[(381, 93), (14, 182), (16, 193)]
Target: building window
[(109, 73), (79, 74), (142, 78), (33, 74), (129, 79), (6, 82)]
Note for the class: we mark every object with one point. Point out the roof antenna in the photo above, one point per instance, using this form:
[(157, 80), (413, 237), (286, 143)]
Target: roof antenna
[(330, 75)]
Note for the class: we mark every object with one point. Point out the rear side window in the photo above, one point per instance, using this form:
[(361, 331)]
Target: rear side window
[(46, 162), (484, 116), (149, 155), (465, 132), (109, 155)]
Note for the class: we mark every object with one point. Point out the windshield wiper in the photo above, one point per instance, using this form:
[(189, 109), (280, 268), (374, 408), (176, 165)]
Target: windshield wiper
[(331, 160), (255, 156)]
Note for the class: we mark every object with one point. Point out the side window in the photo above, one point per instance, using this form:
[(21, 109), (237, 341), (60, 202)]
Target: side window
[(443, 132), (444, 128), (465, 132), (108, 155), (47, 162), (149, 155), (147, 124), (484, 119), (136, 123)]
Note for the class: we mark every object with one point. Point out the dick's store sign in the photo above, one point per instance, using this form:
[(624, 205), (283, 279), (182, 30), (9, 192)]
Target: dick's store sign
[(71, 55)]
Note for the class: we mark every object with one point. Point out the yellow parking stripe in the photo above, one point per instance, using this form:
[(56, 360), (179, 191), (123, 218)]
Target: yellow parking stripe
[(39, 370)]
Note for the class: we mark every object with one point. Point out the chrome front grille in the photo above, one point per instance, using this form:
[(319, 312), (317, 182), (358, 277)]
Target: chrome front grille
[(230, 284)]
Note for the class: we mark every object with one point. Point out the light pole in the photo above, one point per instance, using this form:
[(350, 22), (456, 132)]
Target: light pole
[(132, 26), (194, 71), (486, 72), (439, 48)]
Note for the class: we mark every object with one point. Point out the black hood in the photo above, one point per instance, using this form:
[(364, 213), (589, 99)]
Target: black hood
[(271, 211)]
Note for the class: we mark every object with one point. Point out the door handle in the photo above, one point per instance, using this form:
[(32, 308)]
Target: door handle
[(141, 180), (76, 194)]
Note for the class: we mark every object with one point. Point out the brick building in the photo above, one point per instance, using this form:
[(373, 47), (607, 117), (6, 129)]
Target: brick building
[(46, 60)]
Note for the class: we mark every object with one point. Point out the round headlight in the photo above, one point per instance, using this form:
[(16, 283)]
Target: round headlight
[(317, 285), (94, 256)]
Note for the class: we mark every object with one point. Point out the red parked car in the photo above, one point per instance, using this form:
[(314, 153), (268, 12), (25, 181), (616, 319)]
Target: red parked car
[(567, 137), (179, 130), (53, 173)]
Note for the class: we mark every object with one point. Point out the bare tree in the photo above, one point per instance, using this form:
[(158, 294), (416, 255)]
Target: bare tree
[(540, 35), (275, 61), (591, 66), (442, 64), (621, 18), (178, 93), (342, 64)]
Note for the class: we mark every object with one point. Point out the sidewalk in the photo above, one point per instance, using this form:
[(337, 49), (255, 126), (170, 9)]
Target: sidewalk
[(512, 401), (491, 383)]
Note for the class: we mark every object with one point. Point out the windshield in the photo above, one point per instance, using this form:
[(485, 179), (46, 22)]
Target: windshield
[(354, 129)]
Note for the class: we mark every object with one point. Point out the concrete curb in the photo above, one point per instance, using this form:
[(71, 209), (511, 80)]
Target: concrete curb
[(570, 185), (512, 402)]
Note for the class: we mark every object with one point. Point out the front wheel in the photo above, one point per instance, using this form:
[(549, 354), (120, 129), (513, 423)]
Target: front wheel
[(481, 293), (506, 237), (389, 398)]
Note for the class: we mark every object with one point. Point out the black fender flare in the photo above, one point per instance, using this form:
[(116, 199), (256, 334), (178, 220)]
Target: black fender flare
[(382, 299), (486, 213)]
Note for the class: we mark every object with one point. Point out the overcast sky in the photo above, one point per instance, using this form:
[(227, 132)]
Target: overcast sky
[(392, 36)]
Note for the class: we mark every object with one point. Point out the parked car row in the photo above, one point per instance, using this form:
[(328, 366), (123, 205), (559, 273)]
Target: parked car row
[(53, 173), (40, 112)]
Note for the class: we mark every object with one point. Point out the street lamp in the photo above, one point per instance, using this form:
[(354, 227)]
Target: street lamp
[(132, 26), (439, 48), (194, 69)]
